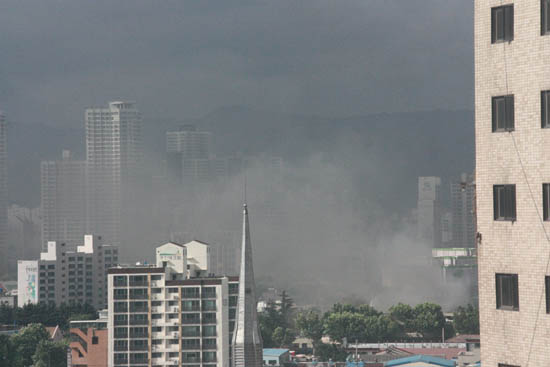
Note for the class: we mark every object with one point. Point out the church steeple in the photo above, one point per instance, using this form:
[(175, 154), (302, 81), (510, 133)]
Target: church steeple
[(247, 341)]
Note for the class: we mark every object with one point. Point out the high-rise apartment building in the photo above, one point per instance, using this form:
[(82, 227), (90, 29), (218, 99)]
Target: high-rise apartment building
[(429, 210), (174, 313), (113, 154), (62, 275), (512, 117), (462, 206), (188, 153), (63, 196), (3, 193)]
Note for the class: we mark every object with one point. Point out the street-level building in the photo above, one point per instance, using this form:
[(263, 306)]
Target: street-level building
[(88, 342), (512, 121), (67, 276)]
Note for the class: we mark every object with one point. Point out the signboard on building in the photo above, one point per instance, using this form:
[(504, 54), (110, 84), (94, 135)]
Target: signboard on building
[(27, 282)]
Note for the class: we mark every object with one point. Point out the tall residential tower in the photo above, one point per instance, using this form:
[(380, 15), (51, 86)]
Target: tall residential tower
[(113, 153), (512, 121), (63, 197)]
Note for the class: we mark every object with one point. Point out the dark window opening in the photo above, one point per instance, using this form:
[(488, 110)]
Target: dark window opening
[(504, 202), (503, 113), (544, 17), (502, 23), (507, 292)]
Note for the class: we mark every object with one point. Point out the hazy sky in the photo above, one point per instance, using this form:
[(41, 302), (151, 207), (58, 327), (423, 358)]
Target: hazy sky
[(186, 58)]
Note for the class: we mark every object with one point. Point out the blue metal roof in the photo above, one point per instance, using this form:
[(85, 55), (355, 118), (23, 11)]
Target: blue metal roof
[(274, 352), (436, 361)]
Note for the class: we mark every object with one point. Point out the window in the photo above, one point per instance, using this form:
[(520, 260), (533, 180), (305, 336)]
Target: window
[(503, 113), (506, 365), (546, 201), (545, 108), (502, 23), (547, 289), (544, 17), (507, 292), (504, 202)]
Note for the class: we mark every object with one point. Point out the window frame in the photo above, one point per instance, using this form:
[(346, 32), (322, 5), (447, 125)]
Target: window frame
[(544, 17), (545, 108), (504, 207), (509, 113), (547, 292), (507, 23), (546, 202), (514, 292)]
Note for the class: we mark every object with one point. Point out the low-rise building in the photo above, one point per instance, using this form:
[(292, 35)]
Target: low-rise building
[(67, 276), (276, 357), (420, 361), (89, 341)]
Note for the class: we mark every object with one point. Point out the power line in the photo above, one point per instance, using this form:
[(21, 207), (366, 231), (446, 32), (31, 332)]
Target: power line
[(547, 239)]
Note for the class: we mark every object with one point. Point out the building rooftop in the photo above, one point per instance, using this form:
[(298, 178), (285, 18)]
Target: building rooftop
[(274, 352), (436, 361)]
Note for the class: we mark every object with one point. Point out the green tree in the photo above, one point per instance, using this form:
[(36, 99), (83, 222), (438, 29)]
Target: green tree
[(466, 320), (429, 320), (310, 325), (345, 325), (26, 341), (50, 354), (7, 351), (283, 337), (403, 314), (326, 352)]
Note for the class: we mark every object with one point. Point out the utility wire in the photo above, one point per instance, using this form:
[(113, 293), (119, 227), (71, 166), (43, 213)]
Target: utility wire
[(536, 209)]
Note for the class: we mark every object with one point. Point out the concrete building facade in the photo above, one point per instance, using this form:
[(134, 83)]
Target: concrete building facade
[(62, 275), (512, 49), (63, 199), (172, 313)]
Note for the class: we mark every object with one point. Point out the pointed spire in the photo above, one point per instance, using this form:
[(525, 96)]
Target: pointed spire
[(247, 341)]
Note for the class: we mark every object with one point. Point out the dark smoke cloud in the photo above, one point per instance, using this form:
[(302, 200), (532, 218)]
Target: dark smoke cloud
[(186, 58)]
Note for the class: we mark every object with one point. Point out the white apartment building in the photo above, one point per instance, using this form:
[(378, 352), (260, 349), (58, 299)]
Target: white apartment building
[(113, 152), (512, 120), (174, 313), (67, 276)]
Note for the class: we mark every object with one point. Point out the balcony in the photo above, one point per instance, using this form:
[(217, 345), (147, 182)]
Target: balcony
[(138, 335), (139, 283), (121, 348), (135, 348), (191, 321), (121, 309)]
